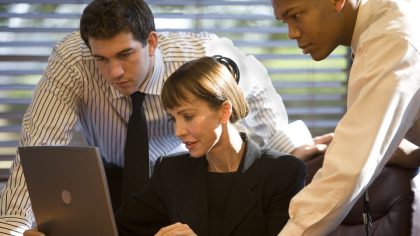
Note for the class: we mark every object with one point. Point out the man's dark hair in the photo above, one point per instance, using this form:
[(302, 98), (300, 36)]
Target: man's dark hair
[(104, 19)]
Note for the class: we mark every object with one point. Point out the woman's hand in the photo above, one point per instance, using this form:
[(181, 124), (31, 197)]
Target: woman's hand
[(178, 229)]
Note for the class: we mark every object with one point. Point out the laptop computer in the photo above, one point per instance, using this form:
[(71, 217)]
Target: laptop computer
[(68, 190)]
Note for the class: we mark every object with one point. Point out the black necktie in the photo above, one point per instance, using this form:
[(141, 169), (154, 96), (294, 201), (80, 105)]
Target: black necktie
[(136, 163)]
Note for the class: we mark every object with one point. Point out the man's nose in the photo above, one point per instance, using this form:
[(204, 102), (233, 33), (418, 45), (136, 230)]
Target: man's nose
[(116, 69), (293, 32)]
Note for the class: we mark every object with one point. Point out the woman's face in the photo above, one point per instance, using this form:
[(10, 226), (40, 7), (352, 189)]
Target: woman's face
[(197, 125)]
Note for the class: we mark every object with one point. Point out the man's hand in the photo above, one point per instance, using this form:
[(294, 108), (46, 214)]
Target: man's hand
[(178, 229), (407, 155), (318, 146), (33, 232)]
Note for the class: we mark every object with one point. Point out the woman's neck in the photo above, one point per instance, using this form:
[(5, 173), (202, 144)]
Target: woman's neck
[(227, 154)]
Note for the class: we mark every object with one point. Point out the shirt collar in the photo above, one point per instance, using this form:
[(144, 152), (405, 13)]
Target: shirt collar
[(252, 153), (361, 23)]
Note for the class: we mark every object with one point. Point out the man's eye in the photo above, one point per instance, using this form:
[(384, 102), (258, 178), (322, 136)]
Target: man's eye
[(171, 119), (125, 55), (99, 59), (188, 117), (295, 16)]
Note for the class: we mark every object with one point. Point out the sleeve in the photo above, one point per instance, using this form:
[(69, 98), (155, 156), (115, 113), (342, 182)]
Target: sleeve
[(263, 126), (289, 181), (267, 122), (144, 213), (49, 120), (383, 103)]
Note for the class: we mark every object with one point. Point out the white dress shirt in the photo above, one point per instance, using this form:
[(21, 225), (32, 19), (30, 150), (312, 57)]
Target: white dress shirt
[(383, 103), (72, 91)]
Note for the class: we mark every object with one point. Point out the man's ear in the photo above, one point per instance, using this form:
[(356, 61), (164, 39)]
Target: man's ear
[(152, 42), (339, 5), (226, 112)]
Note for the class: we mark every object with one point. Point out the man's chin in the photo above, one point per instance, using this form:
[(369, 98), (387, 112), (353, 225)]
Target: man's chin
[(318, 56), (320, 53), (125, 91)]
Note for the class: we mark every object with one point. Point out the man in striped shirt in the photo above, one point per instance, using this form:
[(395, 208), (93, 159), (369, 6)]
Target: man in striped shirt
[(91, 74)]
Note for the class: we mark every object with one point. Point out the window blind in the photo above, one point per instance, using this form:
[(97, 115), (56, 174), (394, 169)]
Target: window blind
[(314, 92)]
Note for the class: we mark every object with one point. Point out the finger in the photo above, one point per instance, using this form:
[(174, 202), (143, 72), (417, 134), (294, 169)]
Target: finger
[(168, 228), (183, 232), (33, 233), (316, 149), (177, 232), (321, 148), (305, 152), (324, 139)]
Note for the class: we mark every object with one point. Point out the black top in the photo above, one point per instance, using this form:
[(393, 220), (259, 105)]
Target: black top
[(219, 186)]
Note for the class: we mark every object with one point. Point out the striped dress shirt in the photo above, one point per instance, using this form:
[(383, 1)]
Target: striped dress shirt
[(73, 95)]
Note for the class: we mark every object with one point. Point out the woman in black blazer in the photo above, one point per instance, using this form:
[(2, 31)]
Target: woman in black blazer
[(225, 184)]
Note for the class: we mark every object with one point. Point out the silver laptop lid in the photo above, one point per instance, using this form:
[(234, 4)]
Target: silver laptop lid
[(68, 190)]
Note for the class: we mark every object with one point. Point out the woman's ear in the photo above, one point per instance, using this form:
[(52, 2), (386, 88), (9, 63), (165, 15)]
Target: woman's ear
[(226, 112), (152, 42), (339, 5)]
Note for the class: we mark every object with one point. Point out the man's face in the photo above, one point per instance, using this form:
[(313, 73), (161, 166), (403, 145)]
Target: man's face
[(312, 23), (123, 61)]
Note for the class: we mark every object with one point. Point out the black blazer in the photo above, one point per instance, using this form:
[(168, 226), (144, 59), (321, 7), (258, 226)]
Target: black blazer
[(177, 192)]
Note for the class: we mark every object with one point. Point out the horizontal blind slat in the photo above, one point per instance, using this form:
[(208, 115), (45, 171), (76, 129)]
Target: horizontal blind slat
[(311, 92), (150, 2)]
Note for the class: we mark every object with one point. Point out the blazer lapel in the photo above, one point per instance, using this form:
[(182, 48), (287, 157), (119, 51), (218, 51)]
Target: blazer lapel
[(242, 197)]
